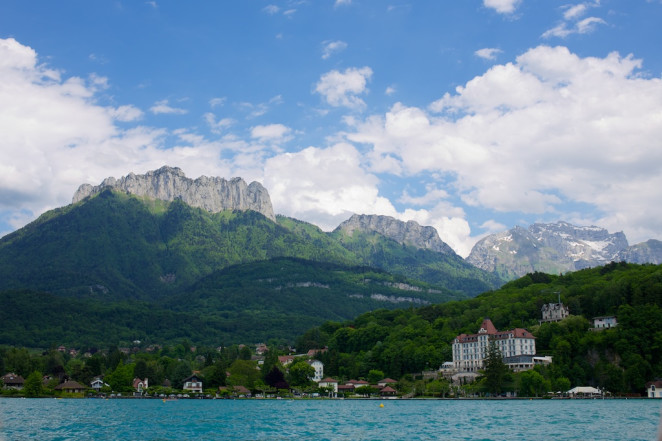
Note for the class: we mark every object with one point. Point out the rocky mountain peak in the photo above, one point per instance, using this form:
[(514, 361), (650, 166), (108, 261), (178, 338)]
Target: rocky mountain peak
[(406, 233), (552, 248), (213, 194)]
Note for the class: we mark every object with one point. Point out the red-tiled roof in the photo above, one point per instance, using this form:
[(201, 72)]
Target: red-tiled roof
[(488, 326), (137, 381), (329, 380)]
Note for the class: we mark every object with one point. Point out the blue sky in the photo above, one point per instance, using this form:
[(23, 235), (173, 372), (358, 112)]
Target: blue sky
[(471, 116)]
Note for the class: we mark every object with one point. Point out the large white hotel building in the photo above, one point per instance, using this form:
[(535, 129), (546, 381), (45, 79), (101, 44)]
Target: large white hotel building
[(469, 350)]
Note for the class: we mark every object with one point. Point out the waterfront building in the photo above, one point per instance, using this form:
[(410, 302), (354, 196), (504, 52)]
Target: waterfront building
[(469, 350), (654, 389), (12, 381), (319, 370), (193, 384), (332, 384)]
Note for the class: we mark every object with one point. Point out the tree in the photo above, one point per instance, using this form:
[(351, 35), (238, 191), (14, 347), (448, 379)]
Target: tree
[(121, 379), (243, 373), (180, 372), (276, 378), (245, 353), (495, 370), (300, 374), (438, 388), (216, 375), (374, 376), (114, 357), (366, 391), (17, 360), (33, 386), (140, 370), (260, 386), (270, 360), (533, 384), (560, 384), (54, 363)]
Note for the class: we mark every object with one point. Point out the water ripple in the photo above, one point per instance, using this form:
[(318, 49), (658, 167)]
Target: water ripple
[(154, 420)]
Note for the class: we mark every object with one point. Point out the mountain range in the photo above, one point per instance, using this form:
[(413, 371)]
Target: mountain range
[(557, 248), (204, 258), (159, 256)]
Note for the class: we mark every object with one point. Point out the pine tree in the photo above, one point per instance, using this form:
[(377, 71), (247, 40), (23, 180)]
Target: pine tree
[(495, 370)]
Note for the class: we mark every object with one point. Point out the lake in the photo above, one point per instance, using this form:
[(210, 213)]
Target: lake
[(96, 419)]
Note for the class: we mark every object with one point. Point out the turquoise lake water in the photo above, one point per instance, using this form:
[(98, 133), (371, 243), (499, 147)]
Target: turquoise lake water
[(92, 419)]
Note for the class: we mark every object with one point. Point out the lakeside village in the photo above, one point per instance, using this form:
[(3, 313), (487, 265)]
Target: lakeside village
[(486, 356)]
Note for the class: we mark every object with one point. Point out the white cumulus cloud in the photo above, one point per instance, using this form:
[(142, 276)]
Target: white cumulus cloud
[(529, 136), (54, 138), (332, 47), (502, 6), (126, 113), (324, 186), (342, 88), (163, 107), (271, 133), (488, 53)]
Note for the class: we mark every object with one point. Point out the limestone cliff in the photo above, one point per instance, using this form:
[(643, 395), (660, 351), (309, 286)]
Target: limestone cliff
[(406, 233), (213, 194)]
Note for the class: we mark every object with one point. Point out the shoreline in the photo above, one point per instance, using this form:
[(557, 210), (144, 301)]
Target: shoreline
[(337, 399)]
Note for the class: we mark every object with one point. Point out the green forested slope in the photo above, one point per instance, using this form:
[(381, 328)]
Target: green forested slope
[(124, 261), (449, 271), (260, 301), (116, 246), (620, 359)]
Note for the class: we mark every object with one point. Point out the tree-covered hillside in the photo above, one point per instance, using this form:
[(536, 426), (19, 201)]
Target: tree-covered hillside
[(117, 246), (126, 261), (275, 299), (448, 270), (620, 359)]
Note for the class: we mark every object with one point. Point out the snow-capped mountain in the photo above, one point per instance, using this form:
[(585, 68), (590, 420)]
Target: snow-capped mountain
[(556, 248)]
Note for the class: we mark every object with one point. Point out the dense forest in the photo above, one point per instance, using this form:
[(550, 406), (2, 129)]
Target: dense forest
[(620, 360), (272, 299), (403, 343), (115, 268)]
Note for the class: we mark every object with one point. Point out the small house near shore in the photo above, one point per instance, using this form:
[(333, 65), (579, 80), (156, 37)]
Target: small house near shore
[(71, 387), (13, 381), (193, 384), (654, 389)]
